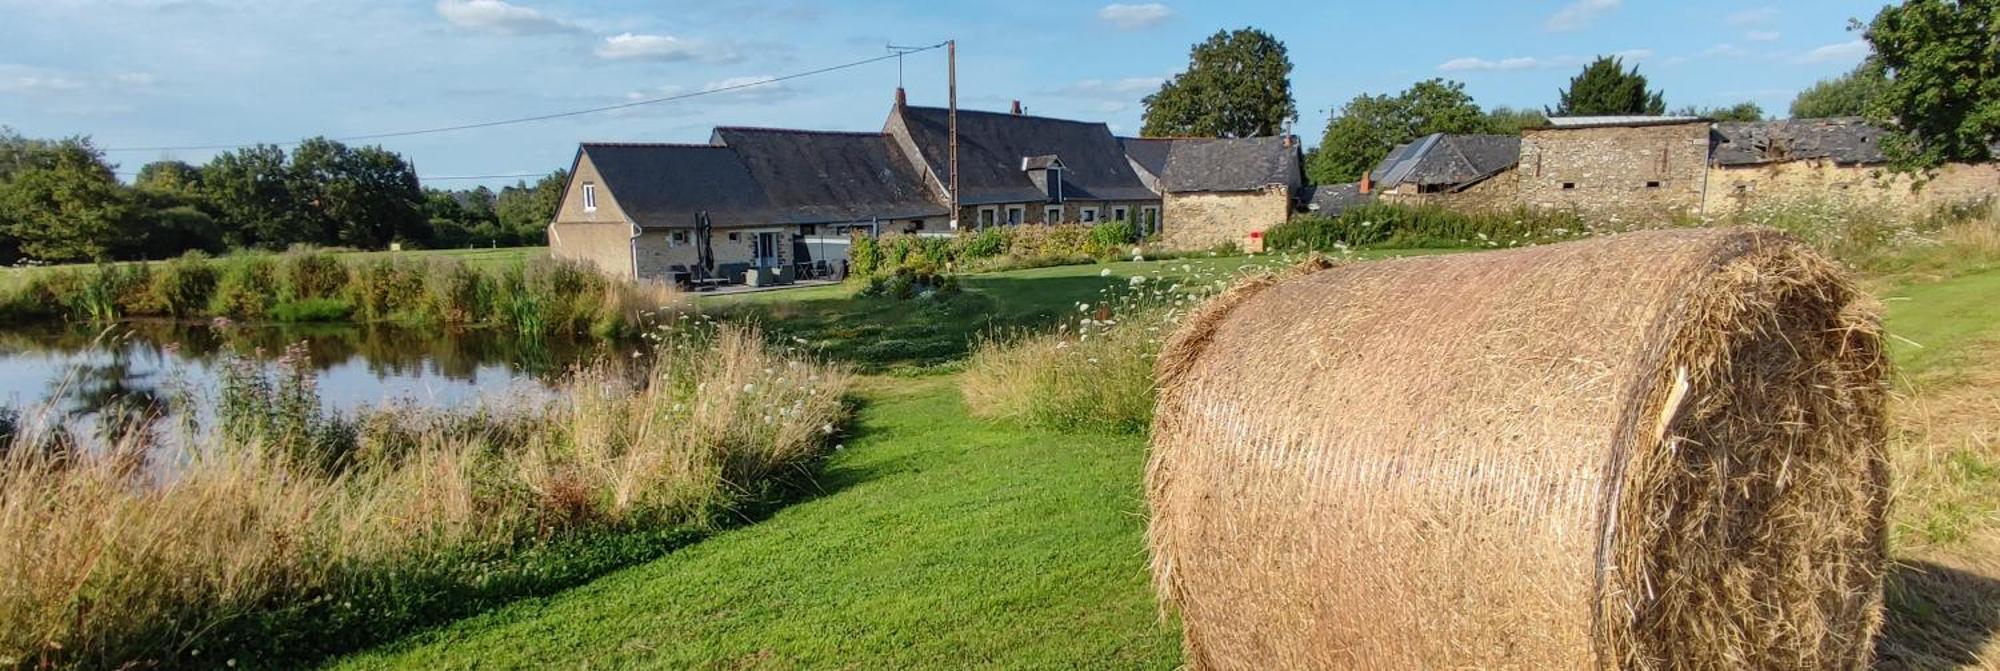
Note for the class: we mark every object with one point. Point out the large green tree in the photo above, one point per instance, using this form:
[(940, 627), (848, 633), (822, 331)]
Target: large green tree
[(1605, 87), (250, 192), (1237, 84), (62, 202), (1369, 126), (1846, 95), (1942, 97), (366, 197)]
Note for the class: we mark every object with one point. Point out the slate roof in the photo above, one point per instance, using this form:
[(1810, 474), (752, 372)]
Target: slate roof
[(1216, 164), (666, 185), (1629, 120), (1333, 199), (991, 147), (1845, 140), (1447, 159), (811, 177)]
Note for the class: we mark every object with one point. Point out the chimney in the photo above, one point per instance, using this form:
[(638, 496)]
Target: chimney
[(1017, 108), (1367, 182), (901, 100), (1288, 140)]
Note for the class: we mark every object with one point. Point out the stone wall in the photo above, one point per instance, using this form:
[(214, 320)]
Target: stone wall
[(1736, 188), (605, 245), (1203, 220), (1643, 171), (1499, 192)]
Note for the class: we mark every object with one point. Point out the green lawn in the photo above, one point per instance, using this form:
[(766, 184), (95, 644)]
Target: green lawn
[(882, 334), (939, 542), (1941, 329)]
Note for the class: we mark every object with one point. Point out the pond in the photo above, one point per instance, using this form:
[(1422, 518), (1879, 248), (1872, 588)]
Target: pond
[(84, 374)]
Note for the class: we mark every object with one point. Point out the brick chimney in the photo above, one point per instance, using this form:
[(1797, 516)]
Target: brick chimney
[(1288, 140), (901, 99), (1017, 108), (1367, 182)]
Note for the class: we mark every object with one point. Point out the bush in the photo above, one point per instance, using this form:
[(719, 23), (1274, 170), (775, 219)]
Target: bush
[(388, 287), (184, 285), (985, 244), (910, 282), (1422, 226), (245, 288), (864, 255), (455, 293), (1111, 238), (309, 274)]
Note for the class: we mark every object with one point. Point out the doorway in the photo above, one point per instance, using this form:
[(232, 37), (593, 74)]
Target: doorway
[(766, 251)]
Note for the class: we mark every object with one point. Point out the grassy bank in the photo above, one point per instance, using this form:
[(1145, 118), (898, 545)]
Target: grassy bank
[(285, 534), (531, 296)]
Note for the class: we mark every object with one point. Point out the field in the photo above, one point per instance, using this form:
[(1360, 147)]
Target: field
[(942, 540)]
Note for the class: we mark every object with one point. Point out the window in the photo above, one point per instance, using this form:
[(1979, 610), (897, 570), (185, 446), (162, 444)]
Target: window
[(679, 238), (1653, 184), (1149, 220), (1117, 214), (987, 215), (1017, 215), (1087, 215), (734, 237), (589, 197), (1052, 214), (1569, 185)]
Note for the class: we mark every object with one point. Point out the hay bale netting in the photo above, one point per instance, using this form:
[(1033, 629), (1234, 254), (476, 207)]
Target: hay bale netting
[(1659, 449)]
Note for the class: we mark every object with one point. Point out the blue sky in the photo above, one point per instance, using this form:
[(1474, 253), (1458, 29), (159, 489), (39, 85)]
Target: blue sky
[(147, 73)]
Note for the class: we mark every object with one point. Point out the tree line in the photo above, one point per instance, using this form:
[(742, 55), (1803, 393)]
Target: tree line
[(1930, 79), (62, 201)]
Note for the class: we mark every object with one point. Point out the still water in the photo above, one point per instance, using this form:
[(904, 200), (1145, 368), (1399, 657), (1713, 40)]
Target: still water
[(82, 373)]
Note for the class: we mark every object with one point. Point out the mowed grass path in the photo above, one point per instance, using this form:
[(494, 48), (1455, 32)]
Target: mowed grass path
[(939, 542)]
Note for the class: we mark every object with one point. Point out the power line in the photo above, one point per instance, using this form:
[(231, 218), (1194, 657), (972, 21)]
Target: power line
[(420, 178), (556, 115)]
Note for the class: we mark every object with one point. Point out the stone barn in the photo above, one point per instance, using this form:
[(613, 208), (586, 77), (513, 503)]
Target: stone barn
[(1219, 190), (1635, 167)]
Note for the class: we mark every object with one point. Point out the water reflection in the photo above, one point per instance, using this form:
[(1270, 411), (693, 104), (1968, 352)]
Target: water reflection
[(109, 380)]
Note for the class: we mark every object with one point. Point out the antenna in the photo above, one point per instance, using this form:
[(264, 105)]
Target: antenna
[(901, 51)]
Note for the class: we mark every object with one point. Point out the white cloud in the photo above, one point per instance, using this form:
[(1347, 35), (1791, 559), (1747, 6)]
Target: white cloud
[(629, 46), (1726, 50), (1850, 50), (1476, 64), (751, 88), (1579, 14), (1135, 17), (1762, 36), (135, 78), (28, 79), (1753, 17), (501, 17), (1111, 88), (1470, 63)]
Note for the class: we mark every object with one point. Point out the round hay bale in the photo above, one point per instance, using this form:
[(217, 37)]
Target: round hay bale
[(1652, 450)]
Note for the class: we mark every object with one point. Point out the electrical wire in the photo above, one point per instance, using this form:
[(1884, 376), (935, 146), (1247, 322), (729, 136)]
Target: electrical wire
[(556, 115)]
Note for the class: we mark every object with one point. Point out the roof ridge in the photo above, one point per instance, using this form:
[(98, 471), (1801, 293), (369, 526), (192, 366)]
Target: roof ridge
[(690, 145), (773, 129), (1017, 116)]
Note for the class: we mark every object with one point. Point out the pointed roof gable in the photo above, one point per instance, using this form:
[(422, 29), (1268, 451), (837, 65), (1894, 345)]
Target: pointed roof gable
[(667, 185)]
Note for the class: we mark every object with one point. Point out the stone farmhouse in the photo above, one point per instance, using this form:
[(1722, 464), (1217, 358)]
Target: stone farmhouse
[(763, 204), (1646, 167), (1219, 191)]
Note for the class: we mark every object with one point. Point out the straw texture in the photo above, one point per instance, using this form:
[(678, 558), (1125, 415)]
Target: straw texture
[(1654, 450)]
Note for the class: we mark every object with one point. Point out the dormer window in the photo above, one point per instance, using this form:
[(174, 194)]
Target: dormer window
[(589, 197), (1046, 172)]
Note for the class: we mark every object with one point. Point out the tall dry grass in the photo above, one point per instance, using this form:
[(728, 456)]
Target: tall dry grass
[(1095, 371), (245, 546)]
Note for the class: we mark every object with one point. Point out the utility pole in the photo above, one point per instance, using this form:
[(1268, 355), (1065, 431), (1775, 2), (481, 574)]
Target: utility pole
[(951, 153)]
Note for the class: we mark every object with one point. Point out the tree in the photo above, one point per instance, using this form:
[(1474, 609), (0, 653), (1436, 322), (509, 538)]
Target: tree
[(525, 211), (1510, 121), (1238, 84), (1846, 95), (1370, 126), (1606, 88), (62, 203), (1743, 111), (1942, 98), (364, 198), (253, 203)]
